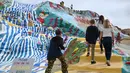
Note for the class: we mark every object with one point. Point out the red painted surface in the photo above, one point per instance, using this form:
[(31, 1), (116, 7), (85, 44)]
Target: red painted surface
[(128, 63), (41, 20)]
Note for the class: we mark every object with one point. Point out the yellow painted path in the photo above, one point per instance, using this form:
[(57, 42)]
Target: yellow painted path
[(85, 66)]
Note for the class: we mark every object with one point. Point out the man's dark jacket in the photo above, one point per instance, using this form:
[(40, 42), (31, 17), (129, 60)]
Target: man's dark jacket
[(92, 34), (56, 44)]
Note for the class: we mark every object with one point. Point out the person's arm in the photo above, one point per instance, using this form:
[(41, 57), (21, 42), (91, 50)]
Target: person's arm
[(112, 32), (61, 44), (86, 35), (101, 35), (112, 38), (97, 33)]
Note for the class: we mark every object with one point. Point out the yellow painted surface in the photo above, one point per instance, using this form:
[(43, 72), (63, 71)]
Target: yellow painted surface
[(85, 66)]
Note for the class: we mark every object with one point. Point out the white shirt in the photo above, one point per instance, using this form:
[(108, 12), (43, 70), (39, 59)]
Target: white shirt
[(100, 26), (107, 32)]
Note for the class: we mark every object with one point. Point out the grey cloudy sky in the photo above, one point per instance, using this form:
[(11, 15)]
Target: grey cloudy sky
[(117, 11)]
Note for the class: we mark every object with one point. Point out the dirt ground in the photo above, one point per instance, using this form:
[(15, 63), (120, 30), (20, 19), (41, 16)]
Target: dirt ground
[(126, 41)]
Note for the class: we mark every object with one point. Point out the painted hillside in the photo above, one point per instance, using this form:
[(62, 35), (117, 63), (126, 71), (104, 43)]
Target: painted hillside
[(29, 28)]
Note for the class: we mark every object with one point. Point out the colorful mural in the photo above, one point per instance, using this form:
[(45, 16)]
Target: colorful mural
[(6, 3), (29, 29)]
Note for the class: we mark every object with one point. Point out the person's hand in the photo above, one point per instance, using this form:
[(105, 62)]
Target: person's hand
[(99, 41), (112, 42), (87, 42)]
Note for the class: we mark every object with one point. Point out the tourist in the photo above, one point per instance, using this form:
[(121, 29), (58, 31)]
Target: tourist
[(100, 26), (118, 38), (108, 40), (56, 45), (91, 38)]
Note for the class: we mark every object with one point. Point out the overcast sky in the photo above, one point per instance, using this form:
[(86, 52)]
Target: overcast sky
[(118, 11)]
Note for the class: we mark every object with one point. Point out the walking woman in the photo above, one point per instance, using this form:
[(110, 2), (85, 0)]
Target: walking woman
[(108, 40), (100, 26)]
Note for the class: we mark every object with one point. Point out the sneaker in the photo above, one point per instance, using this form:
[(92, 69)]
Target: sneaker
[(65, 72), (101, 52), (108, 63), (93, 62), (88, 54)]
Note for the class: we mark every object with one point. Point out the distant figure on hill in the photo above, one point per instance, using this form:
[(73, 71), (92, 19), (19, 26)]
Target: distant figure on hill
[(71, 7), (107, 37), (91, 38), (62, 4), (118, 38)]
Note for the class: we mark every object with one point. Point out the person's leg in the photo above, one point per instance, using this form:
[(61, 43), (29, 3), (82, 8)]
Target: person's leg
[(101, 46), (88, 53), (109, 51), (63, 64), (107, 42), (92, 51), (50, 65), (93, 54)]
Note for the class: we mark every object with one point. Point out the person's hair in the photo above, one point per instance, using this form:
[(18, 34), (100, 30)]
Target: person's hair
[(101, 19), (106, 23), (92, 21), (58, 32)]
